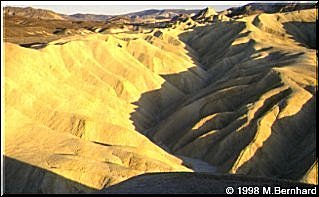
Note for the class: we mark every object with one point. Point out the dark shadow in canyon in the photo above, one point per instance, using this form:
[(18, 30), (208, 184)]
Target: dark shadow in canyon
[(238, 61), (304, 37), (35, 45), (292, 151), (178, 81), (21, 177), (150, 113), (195, 183)]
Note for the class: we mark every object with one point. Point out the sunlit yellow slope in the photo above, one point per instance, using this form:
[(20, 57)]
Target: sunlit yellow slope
[(238, 94)]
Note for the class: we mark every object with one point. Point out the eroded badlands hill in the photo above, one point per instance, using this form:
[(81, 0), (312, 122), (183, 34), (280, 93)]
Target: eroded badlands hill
[(88, 111)]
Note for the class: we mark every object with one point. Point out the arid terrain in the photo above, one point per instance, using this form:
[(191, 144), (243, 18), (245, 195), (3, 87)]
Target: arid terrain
[(191, 101)]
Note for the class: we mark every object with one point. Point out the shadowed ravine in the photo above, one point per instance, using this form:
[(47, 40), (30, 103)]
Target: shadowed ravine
[(246, 79), (43, 181), (228, 102), (48, 182), (196, 183)]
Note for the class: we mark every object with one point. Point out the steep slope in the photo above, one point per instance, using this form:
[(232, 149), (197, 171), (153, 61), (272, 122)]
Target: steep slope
[(68, 108), (205, 13), (95, 110), (260, 101)]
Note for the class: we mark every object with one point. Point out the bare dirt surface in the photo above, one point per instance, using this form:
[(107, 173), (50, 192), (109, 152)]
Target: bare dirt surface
[(89, 105)]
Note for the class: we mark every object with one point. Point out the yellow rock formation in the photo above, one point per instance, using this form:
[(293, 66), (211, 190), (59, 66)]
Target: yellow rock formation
[(98, 109)]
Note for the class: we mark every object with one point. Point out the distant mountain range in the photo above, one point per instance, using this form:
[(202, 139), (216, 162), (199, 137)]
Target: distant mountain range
[(88, 17), (254, 8), (160, 14), (156, 14), (48, 14), (30, 12)]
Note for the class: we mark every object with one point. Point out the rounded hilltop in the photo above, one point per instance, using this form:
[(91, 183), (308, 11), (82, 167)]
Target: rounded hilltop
[(93, 106)]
